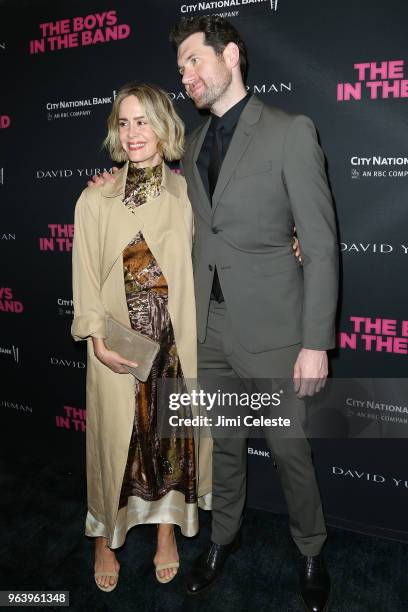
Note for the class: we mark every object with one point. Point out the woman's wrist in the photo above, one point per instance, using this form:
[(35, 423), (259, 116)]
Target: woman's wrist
[(99, 346)]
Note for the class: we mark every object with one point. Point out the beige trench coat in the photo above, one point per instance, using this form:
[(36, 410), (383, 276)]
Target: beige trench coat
[(103, 228)]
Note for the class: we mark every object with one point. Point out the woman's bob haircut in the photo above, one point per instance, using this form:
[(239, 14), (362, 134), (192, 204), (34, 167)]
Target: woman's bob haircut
[(159, 112)]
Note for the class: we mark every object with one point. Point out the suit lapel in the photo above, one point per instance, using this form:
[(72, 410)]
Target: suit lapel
[(195, 183), (199, 139), (242, 137)]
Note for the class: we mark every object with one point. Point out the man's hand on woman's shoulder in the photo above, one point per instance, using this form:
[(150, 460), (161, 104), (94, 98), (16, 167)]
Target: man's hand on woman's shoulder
[(100, 179)]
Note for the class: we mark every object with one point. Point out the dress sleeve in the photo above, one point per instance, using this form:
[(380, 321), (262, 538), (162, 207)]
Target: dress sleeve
[(89, 313)]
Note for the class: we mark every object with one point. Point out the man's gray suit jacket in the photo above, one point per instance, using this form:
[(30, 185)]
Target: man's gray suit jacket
[(272, 178)]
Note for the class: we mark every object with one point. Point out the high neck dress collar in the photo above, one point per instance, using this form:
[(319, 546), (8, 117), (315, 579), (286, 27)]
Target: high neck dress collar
[(142, 184)]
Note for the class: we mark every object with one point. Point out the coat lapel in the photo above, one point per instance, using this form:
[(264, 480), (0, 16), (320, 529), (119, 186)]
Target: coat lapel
[(195, 183), (242, 137), (122, 225)]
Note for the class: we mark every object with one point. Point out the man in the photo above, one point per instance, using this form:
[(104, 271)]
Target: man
[(252, 173)]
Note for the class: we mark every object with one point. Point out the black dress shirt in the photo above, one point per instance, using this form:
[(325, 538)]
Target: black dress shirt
[(228, 121)]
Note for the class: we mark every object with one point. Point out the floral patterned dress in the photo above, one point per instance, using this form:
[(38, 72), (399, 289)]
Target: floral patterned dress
[(159, 484)]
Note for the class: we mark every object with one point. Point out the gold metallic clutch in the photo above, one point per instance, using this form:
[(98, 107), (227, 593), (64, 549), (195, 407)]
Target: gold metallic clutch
[(132, 345)]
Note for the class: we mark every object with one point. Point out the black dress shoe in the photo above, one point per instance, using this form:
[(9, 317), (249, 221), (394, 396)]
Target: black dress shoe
[(314, 584), (207, 567)]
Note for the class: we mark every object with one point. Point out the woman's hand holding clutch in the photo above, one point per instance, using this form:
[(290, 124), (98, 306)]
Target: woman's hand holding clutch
[(111, 359)]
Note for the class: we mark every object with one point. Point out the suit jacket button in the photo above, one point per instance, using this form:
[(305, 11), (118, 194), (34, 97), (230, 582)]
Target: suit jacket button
[(210, 267)]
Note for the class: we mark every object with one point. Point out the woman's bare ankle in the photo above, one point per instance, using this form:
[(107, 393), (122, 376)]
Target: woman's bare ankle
[(165, 530)]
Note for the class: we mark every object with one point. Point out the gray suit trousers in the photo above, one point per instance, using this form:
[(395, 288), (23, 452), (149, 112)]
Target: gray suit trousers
[(222, 356)]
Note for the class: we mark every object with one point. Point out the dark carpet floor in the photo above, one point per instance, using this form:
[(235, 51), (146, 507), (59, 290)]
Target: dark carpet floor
[(42, 547)]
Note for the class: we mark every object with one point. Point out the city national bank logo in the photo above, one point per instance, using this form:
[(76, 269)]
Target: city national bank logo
[(80, 31), (266, 454), (217, 5), (376, 335), (372, 410), (11, 352), (5, 122), (8, 303), (65, 307), (68, 109), (60, 238), (379, 166), (18, 406), (375, 80), (72, 418), (67, 363), (347, 472)]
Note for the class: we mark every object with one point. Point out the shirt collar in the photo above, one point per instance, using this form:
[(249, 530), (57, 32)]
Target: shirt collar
[(170, 182), (229, 120)]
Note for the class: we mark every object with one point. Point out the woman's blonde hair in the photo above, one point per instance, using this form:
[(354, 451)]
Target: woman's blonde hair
[(161, 115)]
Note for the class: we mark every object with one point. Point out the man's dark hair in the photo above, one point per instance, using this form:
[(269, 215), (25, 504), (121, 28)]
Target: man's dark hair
[(217, 34)]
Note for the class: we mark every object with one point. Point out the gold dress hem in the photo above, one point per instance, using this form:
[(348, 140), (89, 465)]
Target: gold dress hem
[(170, 509)]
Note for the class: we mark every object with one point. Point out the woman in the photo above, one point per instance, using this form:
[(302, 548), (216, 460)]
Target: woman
[(132, 260)]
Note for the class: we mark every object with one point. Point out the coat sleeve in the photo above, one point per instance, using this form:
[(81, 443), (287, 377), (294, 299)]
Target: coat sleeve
[(312, 207), (89, 313)]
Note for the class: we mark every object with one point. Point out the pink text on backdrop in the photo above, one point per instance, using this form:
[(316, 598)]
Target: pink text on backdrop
[(376, 335), (59, 239), (377, 79), (7, 303), (79, 31), (73, 418), (5, 122)]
